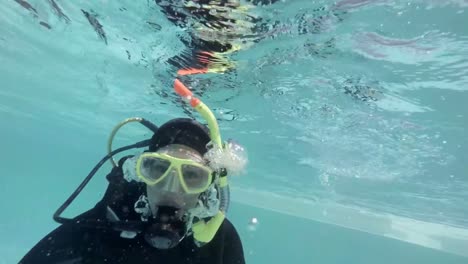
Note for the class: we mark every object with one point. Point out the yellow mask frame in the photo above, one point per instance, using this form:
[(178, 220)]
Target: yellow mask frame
[(175, 163)]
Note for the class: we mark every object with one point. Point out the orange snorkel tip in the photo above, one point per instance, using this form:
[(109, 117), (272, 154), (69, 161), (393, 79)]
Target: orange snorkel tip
[(185, 93), (181, 89)]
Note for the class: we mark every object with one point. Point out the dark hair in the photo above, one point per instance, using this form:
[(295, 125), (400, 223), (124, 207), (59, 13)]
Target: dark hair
[(183, 131)]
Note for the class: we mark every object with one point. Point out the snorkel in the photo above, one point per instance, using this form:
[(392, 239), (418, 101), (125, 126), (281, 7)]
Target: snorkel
[(201, 108), (204, 231)]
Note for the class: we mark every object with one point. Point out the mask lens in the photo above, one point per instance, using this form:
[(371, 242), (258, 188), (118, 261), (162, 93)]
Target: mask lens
[(195, 177), (153, 168)]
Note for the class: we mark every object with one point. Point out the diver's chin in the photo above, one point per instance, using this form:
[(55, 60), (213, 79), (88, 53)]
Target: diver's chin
[(167, 228)]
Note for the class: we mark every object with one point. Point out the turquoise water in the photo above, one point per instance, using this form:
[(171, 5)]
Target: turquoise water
[(355, 129)]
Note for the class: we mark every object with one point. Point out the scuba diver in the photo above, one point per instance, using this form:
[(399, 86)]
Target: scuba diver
[(167, 204)]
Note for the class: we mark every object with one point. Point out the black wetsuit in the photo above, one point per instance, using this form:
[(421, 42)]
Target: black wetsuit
[(74, 243)]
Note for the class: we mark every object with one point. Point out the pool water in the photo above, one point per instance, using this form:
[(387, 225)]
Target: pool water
[(353, 114)]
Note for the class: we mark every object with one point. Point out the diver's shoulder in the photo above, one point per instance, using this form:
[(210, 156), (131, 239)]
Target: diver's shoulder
[(227, 224), (229, 229)]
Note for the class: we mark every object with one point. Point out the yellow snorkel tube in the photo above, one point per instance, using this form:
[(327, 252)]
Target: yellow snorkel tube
[(204, 111), (204, 231)]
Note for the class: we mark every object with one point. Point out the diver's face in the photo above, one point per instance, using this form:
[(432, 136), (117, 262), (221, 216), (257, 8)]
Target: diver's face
[(169, 191)]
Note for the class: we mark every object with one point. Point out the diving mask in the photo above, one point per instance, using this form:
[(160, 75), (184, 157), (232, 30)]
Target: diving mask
[(153, 168)]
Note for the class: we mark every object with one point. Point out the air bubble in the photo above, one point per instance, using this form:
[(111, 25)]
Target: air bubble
[(253, 224)]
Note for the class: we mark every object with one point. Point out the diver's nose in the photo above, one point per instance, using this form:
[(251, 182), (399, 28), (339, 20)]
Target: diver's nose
[(172, 183)]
